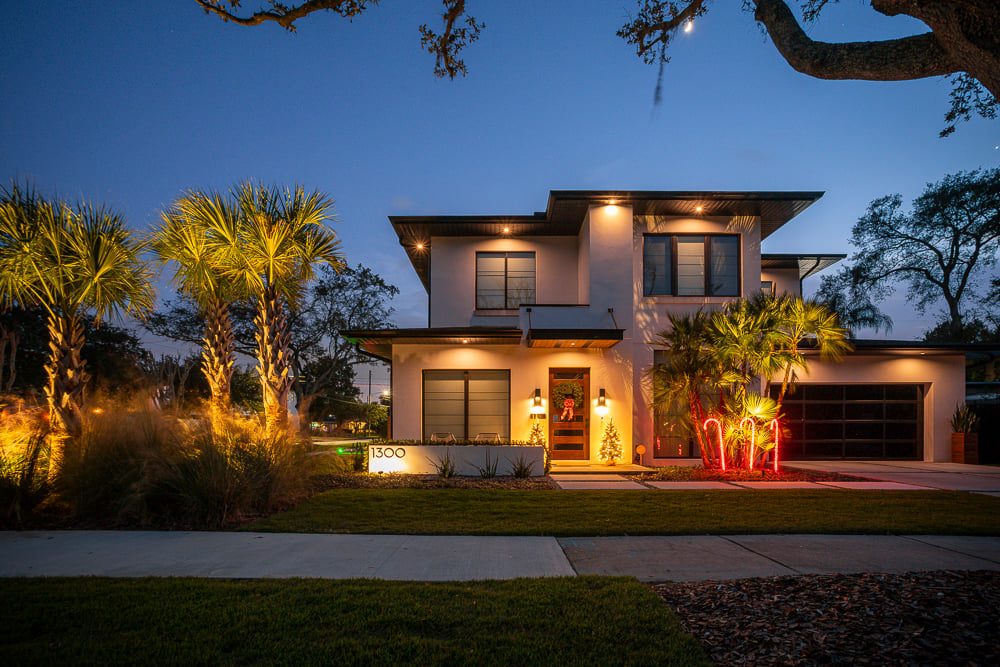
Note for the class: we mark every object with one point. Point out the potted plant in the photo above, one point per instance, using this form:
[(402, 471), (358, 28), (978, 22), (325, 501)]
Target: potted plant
[(964, 438)]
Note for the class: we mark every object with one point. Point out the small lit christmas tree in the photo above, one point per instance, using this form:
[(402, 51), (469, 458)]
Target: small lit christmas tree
[(537, 435), (537, 438), (611, 443)]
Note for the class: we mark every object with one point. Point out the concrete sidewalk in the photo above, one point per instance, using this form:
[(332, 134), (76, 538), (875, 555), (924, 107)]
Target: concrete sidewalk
[(464, 558)]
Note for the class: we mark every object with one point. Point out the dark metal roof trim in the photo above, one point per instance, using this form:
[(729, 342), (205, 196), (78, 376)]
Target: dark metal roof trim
[(807, 265), (576, 334)]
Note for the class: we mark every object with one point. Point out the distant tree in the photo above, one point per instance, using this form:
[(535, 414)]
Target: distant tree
[(962, 41), (939, 250), (73, 262), (116, 358), (854, 307)]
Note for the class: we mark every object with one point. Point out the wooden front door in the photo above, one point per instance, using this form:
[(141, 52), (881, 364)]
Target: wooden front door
[(569, 413)]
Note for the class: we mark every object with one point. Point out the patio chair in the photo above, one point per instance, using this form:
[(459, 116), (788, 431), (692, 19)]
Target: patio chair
[(487, 437), (442, 436)]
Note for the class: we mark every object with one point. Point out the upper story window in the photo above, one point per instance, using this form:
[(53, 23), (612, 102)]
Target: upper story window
[(691, 265), (504, 280)]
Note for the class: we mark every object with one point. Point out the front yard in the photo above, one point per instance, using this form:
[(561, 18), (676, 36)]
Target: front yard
[(462, 511), (572, 621)]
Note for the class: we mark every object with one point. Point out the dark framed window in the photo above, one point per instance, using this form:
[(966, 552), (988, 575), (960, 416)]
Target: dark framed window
[(691, 265), (504, 280), (466, 403)]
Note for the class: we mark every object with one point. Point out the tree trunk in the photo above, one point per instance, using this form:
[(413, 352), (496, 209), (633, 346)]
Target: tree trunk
[(273, 361), (218, 360), (66, 379)]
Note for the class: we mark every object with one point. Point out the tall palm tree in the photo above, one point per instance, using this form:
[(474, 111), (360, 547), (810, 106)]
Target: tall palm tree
[(185, 236), (282, 237), (810, 322), (72, 262), (689, 372)]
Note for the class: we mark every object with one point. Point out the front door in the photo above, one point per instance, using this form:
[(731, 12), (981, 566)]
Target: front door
[(569, 413)]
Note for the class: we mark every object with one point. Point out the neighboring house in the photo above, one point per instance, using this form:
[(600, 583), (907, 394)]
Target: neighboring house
[(522, 307)]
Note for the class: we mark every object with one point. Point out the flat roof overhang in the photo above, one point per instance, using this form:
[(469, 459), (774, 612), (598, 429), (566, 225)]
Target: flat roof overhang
[(566, 209), (806, 265), (578, 338), (911, 347), (379, 342)]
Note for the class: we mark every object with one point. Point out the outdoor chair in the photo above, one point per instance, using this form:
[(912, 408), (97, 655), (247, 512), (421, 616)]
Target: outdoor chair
[(487, 437), (442, 436)]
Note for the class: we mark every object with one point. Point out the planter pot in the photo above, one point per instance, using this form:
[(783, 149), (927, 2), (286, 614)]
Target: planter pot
[(965, 448)]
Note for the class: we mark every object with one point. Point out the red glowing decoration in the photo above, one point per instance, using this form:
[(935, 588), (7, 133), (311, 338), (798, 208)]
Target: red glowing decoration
[(753, 438), (718, 426), (776, 430)]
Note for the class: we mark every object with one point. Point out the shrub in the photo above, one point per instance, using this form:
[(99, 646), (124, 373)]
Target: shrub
[(104, 467), (445, 466), (23, 469), (521, 467), (490, 469), (218, 479)]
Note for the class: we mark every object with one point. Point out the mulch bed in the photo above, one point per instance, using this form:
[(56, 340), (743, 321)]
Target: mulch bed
[(926, 618), (407, 481), (699, 474)]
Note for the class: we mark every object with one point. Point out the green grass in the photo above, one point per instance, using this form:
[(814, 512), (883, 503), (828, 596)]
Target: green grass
[(585, 621), (584, 513)]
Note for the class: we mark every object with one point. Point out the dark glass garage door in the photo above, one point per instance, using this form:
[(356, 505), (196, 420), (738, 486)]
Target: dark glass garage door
[(853, 421)]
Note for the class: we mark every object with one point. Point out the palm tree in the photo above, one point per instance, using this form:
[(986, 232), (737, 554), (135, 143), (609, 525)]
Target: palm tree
[(282, 237), (687, 374), (185, 237), (71, 262), (809, 322)]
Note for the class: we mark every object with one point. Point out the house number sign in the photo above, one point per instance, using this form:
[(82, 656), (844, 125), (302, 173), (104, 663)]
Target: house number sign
[(388, 452)]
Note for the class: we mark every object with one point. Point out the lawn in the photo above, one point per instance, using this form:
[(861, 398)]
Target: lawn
[(584, 513), (584, 620)]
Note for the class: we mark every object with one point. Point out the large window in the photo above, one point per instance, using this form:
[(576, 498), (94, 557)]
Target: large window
[(504, 280), (689, 265), (467, 403)]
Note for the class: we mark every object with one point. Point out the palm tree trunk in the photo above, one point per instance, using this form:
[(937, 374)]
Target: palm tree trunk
[(273, 361), (66, 379), (218, 360)]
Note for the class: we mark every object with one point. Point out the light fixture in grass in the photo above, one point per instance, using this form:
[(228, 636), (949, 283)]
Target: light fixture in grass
[(611, 444)]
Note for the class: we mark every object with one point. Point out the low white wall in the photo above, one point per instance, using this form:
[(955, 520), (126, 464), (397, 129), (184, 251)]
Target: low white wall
[(422, 459)]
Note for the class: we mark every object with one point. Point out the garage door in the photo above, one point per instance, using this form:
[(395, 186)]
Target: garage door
[(853, 421)]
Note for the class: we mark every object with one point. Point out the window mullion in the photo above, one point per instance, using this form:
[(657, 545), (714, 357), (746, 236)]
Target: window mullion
[(466, 434), (708, 265), (673, 265)]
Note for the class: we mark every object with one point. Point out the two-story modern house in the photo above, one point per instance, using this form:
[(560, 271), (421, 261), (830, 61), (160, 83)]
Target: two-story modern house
[(551, 316)]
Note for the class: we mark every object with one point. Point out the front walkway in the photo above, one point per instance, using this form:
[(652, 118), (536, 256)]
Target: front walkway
[(465, 558), (882, 476)]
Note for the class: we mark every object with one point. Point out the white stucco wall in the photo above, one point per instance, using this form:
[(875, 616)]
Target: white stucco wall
[(529, 369), (786, 281), (453, 276)]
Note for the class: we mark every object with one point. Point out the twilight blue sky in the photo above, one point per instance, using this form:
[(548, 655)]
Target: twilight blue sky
[(131, 103)]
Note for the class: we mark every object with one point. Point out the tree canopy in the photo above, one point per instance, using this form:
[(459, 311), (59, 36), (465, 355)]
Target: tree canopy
[(941, 250), (963, 40)]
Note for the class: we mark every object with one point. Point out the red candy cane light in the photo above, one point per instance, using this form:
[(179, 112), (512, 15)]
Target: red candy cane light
[(718, 426)]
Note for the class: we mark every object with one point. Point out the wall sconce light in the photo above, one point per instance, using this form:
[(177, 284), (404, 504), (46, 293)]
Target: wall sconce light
[(602, 405), (536, 404)]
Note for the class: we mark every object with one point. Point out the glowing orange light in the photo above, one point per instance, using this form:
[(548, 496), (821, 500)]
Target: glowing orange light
[(97, 411), (465, 340), (722, 452), (776, 430), (506, 230), (753, 437), (420, 246), (698, 209)]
